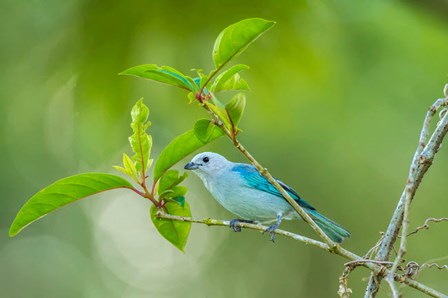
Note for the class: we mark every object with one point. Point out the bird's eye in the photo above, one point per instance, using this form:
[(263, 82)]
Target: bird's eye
[(205, 159)]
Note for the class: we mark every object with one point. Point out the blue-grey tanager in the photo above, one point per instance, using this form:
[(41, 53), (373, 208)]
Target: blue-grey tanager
[(241, 189)]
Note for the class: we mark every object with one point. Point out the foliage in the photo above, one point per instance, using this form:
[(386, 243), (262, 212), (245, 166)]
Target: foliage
[(64, 192), (174, 231), (166, 194)]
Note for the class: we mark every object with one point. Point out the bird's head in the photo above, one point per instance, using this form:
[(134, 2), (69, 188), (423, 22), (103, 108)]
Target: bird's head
[(207, 163)]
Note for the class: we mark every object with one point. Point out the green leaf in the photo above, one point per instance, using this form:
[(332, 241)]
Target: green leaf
[(219, 109), (129, 164), (175, 191), (234, 83), (230, 79), (139, 112), (162, 74), (121, 169), (179, 200), (180, 147), (235, 108), (201, 79), (192, 83), (129, 168), (63, 192), (140, 141), (170, 179), (191, 97), (197, 81), (236, 38), (205, 130), (204, 79), (174, 231)]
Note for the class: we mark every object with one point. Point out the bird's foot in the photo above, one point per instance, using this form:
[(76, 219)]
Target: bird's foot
[(234, 224), (271, 229)]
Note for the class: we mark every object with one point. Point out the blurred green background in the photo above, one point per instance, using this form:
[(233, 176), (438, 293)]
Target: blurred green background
[(339, 92)]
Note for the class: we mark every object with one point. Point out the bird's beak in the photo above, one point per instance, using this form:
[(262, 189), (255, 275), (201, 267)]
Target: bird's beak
[(191, 166)]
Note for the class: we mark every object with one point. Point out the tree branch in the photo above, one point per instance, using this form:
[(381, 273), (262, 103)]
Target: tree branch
[(257, 227), (378, 269), (422, 160)]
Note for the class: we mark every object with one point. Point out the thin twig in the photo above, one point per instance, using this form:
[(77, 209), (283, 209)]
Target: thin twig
[(432, 263), (425, 225), (257, 227), (344, 291), (440, 267), (379, 270), (393, 288), (413, 268), (360, 262), (404, 232), (374, 248)]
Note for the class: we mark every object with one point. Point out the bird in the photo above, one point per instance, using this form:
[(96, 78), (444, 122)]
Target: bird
[(243, 191)]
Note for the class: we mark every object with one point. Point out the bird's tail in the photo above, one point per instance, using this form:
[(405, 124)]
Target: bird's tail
[(334, 231)]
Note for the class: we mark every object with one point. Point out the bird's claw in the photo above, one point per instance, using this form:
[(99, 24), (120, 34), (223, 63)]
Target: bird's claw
[(234, 224), (271, 229)]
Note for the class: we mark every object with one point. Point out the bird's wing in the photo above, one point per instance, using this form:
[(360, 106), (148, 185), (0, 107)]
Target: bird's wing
[(255, 180)]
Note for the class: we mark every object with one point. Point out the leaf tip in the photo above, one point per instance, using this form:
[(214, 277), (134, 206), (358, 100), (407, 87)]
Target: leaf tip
[(270, 22), (12, 232), (124, 72)]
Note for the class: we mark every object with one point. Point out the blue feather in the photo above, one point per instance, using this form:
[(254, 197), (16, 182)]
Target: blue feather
[(255, 180)]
